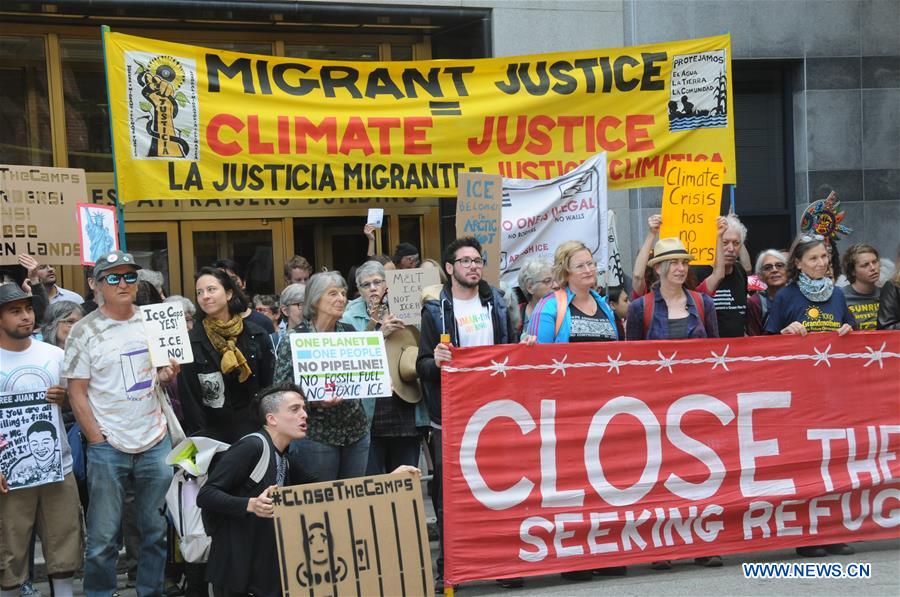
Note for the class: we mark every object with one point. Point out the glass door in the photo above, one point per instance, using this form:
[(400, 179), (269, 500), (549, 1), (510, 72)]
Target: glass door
[(155, 246), (256, 245)]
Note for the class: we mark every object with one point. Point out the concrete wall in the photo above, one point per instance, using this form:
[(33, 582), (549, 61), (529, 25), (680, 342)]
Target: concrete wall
[(846, 100)]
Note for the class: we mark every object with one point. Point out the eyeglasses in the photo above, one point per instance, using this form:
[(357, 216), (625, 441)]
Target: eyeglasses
[(469, 262), (769, 267), (113, 279), (68, 321), (545, 281), (808, 238), (372, 284), (583, 267)]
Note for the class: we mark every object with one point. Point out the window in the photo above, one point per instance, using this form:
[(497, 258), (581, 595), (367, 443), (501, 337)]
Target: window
[(24, 104), (87, 111), (322, 52)]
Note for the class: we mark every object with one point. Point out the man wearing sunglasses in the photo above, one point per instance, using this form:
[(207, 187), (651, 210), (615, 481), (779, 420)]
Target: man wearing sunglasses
[(113, 390)]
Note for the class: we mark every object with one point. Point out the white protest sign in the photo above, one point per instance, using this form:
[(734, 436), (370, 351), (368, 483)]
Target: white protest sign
[(346, 365), (30, 426), (539, 215), (167, 335), (405, 291), (615, 275), (376, 216)]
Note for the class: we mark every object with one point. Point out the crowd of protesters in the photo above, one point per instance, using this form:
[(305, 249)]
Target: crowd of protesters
[(239, 388)]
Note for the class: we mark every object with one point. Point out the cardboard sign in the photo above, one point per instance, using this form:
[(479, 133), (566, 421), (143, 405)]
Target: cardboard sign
[(376, 216), (167, 334), (30, 426), (364, 536), (346, 365), (540, 215), (99, 231), (37, 208), (478, 213), (405, 291), (691, 201)]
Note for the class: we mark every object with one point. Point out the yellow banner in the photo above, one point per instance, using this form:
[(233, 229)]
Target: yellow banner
[(194, 123)]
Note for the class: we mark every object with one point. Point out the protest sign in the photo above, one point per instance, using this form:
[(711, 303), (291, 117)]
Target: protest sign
[(692, 198), (376, 216), (642, 451), (405, 291), (346, 365), (30, 426), (615, 275), (478, 211), (167, 335), (99, 231), (37, 210), (539, 215), (363, 536), (196, 123)]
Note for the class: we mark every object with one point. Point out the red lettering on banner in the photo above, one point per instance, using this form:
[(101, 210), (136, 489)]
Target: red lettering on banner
[(578, 134), (216, 123), (670, 450)]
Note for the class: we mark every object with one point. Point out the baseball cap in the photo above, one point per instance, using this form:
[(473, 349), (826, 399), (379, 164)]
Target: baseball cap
[(114, 259), (11, 292)]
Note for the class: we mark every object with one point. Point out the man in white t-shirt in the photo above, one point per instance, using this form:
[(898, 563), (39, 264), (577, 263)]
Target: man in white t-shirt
[(114, 394), (37, 488), (470, 312)]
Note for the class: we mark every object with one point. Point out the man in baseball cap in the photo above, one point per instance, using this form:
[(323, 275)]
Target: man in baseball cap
[(112, 388), (39, 494)]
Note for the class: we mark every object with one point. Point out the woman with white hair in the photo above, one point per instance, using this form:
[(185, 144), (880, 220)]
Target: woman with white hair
[(535, 282), (291, 305), (771, 267), (336, 445)]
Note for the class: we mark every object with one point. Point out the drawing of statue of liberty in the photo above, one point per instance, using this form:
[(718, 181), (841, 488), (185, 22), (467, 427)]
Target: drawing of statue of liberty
[(100, 238)]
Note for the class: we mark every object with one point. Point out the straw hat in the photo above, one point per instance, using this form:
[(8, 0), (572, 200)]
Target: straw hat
[(402, 348), (667, 249)]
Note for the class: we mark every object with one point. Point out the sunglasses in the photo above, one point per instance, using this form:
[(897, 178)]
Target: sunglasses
[(113, 279)]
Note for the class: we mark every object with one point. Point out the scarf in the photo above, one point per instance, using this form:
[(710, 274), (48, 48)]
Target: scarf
[(817, 291), (223, 335)]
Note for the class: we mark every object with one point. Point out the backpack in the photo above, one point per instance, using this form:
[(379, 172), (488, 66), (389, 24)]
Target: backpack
[(649, 305), (192, 459)]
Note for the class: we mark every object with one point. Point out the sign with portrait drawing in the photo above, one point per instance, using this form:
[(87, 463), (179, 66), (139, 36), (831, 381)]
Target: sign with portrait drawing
[(29, 426)]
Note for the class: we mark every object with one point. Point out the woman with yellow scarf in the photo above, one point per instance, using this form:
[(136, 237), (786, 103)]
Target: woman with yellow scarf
[(232, 360)]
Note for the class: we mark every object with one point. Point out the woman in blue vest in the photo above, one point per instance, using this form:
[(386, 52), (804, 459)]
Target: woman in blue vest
[(575, 312)]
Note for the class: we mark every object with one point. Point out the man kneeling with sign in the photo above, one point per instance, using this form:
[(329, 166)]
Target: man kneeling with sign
[(237, 511)]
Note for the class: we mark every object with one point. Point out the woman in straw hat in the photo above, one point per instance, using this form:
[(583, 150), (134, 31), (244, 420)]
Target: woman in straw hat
[(670, 311)]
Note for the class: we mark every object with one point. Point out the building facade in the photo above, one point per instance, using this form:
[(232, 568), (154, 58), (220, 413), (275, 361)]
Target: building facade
[(816, 86)]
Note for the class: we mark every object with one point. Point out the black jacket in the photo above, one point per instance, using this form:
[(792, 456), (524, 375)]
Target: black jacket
[(201, 385), (437, 319), (889, 307), (243, 557)]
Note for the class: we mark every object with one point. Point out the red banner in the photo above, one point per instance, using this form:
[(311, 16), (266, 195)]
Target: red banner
[(578, 456)]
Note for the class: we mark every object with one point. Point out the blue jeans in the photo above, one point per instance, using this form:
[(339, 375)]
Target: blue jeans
[(330, 463), (107, 473)]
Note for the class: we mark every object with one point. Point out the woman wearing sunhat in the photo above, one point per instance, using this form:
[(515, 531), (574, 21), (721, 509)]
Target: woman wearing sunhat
[(670, 311)]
